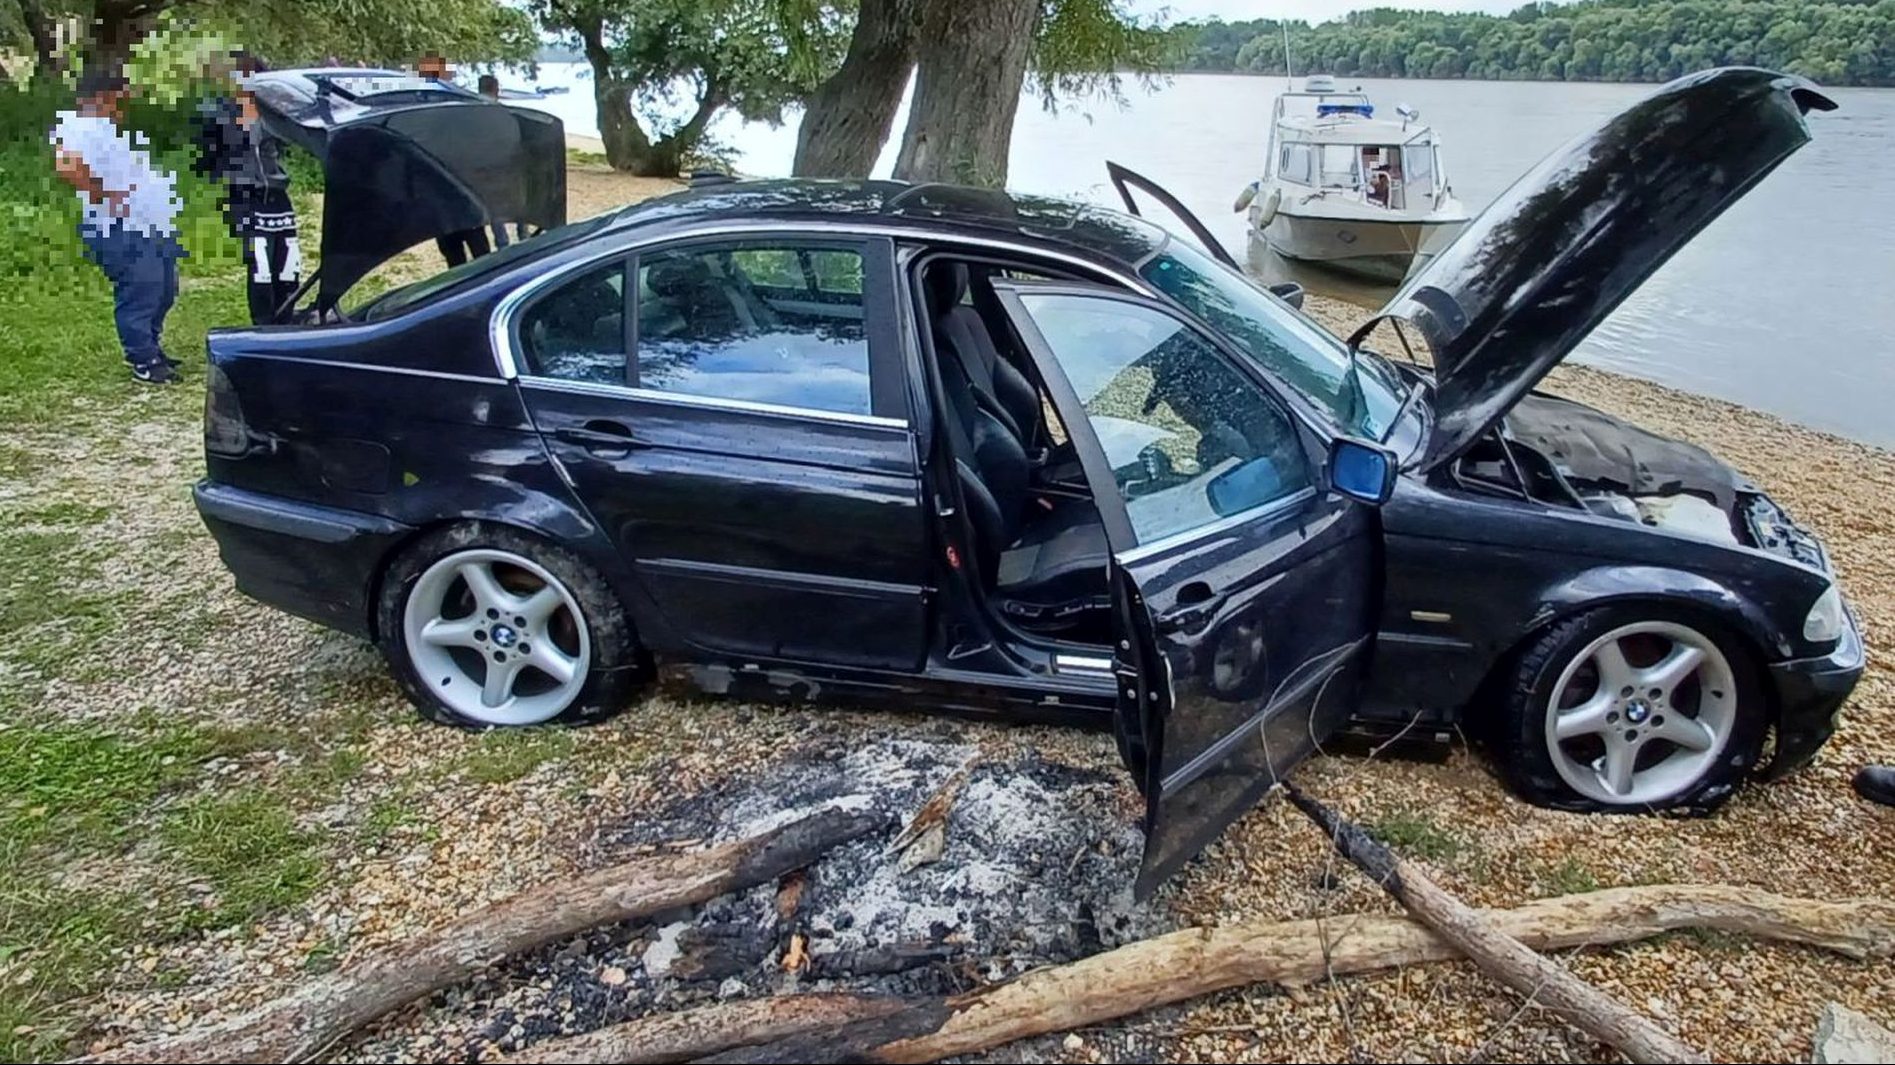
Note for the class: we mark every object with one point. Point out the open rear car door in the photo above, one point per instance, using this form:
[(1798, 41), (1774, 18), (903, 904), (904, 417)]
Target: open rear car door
[(1243, 585), (1125, 181)]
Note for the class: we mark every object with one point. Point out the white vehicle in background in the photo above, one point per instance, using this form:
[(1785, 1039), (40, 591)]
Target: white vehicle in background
[(1346, 189)]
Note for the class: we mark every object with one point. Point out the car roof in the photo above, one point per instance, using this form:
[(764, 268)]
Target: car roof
[(941, 208)]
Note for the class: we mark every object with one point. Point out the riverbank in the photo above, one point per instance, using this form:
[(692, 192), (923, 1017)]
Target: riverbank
[(206, 800)]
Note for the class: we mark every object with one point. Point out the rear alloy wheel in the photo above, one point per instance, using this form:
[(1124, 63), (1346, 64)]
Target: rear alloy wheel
[(485, 628), (1627, 708), (498, 638)]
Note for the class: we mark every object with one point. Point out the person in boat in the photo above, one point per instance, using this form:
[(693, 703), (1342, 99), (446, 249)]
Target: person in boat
[(1378, 186)]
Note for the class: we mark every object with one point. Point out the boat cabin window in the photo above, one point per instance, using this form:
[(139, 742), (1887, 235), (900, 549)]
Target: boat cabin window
[(1341, 168), (1297, 164), (1422, 172)]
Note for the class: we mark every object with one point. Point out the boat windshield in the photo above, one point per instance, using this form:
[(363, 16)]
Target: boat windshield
[(1361, 400)]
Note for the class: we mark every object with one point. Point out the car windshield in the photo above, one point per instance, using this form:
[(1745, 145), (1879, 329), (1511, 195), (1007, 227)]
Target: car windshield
[(1282, 341), (395, 301)]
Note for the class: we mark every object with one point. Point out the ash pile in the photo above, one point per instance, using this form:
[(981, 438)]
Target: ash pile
[(989, 866)]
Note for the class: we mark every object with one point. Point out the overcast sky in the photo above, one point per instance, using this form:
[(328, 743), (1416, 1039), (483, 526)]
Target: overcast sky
[(1309, 10)]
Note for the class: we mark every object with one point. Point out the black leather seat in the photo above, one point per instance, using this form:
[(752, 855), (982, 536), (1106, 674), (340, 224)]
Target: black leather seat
[(1044, 558), (998, 385)]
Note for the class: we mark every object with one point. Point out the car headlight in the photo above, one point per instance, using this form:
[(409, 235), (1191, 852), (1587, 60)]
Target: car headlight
[(1826, 619)]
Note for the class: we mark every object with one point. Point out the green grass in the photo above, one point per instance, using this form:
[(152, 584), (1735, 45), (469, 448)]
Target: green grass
[(249, 851), (508, 755), (1418, 835), (71, 794), (84, 785)]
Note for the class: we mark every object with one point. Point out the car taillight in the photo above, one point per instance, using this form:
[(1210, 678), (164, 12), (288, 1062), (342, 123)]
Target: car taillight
[(225, 431)]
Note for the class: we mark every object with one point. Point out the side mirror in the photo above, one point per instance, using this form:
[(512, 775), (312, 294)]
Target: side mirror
[(1289, 292), (1362, 469)]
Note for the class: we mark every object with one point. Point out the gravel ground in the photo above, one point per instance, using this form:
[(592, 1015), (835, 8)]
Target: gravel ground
[(432, 822)]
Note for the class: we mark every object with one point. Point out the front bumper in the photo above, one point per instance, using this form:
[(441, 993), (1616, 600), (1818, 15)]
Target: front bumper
[(1809, 696), (313, 561)]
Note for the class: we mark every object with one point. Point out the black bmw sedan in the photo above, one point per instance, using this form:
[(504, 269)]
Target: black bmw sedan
[(961, 449)]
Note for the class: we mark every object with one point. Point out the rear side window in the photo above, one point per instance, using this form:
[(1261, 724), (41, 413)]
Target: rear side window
[(777, 323), (577, 331)]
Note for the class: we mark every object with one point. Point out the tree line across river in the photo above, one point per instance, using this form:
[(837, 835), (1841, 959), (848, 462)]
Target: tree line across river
[(1836, 42)]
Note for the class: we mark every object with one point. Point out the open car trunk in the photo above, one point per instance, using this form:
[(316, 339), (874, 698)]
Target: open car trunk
[(406, 160)]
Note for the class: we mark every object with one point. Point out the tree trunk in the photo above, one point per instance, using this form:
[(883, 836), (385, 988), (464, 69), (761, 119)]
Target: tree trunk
[(666, 158), (45, 35), (1498, 954), (849, 115), (117, 25), (1199, 961), (972, 63), (320, 1011)]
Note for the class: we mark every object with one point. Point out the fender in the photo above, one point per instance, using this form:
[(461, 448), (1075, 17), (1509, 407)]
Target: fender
[(519, 487), (1602, 585)]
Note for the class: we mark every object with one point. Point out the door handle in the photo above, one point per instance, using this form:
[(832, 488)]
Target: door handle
[(599, 435), (1197, 605)]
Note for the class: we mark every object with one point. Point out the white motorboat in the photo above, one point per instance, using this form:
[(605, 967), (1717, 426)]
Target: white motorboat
[(1347, 189)]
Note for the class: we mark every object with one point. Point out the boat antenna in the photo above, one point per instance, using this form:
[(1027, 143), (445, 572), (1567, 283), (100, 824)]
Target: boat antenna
[(1289, 78)]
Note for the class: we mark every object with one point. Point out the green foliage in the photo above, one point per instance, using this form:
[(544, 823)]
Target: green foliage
[(248, 850), (378, 32), (756, 56), (1839, 42), (1082, 46)]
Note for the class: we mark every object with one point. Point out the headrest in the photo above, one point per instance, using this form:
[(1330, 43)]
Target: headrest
[(677, 277), (946, 284)]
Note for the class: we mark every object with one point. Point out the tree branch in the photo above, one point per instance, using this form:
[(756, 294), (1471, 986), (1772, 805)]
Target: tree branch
[(1496, 953)]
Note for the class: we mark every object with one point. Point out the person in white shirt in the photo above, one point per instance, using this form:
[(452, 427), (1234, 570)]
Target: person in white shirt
[(130, 219)]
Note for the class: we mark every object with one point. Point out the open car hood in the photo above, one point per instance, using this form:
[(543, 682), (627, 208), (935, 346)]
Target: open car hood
[(406, 160), (1568, 242)]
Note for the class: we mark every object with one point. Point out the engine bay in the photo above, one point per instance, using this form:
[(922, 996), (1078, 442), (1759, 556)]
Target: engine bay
[(1559, 452)]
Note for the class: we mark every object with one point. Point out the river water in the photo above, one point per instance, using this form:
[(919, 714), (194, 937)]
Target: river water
[(1779, 305)]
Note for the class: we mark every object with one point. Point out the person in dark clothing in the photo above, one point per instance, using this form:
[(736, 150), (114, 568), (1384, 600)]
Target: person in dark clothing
[(235, 149), (456, 248)]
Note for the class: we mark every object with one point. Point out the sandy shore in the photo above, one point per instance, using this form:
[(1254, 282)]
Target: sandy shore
[(431, 823)]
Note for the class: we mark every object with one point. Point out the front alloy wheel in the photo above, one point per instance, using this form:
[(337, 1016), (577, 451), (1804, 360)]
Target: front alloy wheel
[(1630, 708), (1640, 713)]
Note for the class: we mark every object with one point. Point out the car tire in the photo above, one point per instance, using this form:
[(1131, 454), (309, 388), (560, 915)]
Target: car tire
[(1643, 731), (484, 626)]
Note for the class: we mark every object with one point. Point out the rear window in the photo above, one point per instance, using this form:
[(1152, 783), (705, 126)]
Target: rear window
[(408, 297)]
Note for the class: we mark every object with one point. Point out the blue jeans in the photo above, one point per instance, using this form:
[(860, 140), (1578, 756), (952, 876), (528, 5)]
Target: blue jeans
[(143, 269)]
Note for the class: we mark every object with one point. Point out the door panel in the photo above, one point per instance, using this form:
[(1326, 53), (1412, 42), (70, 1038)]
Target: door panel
[(742, 449), (1243, 588), (757, 534), (1258, 681)]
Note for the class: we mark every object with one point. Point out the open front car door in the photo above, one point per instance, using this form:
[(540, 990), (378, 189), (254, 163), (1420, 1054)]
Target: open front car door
[(1242, 578)]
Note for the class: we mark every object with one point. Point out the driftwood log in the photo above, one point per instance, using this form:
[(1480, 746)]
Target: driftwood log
[(690, 1034), (300, 1025), (1500, 955), (1182, 965)]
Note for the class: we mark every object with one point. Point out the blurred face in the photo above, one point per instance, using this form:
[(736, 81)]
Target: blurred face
[(107, 102), (434, 67)]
